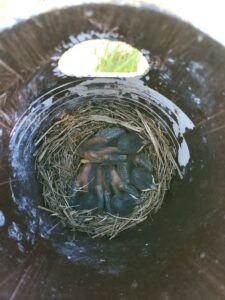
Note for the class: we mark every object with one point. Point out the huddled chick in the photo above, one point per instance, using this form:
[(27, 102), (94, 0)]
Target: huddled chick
[(114, 172)]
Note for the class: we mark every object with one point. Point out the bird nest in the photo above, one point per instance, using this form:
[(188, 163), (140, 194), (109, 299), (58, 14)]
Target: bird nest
[(59, 162)]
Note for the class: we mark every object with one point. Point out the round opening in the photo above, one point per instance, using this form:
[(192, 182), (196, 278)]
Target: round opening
[(103, 58)]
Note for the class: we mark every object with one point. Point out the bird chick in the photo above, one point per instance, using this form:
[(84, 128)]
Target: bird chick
[(130, 143), (142, 179), (123, 204), (110, 133)]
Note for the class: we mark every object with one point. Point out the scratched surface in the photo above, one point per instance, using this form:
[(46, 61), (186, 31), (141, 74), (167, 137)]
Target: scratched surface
[(177, 255)]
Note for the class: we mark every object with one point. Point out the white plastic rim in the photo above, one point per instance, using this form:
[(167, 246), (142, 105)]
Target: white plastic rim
[(82, 59)]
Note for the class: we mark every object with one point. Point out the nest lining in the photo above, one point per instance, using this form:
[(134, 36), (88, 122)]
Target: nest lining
[(57, 163)]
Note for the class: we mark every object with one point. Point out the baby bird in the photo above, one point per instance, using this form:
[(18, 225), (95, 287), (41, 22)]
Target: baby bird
[(110, 154), (123, 171), (131, 190), (85, 177), (116, 181), (86, 201), (142, 179), (95, 143), (114, 172), (110, 133), (99, 187), (143, 160), (123, 204), (130, 143)]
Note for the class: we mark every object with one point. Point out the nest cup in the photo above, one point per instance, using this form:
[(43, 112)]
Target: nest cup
[(58, 162)]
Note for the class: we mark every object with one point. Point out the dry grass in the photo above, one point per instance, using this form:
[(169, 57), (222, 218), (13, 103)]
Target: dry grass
[(58, 161)]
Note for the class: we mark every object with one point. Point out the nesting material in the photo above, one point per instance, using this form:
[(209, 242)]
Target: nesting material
[(58, 163)]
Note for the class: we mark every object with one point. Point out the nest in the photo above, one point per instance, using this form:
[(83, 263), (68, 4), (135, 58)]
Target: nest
[(57, 163)]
